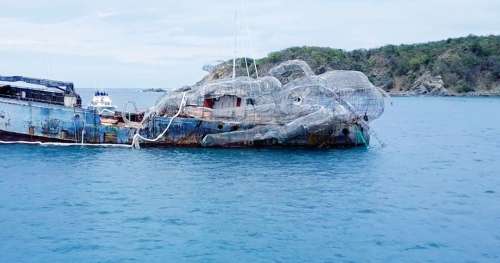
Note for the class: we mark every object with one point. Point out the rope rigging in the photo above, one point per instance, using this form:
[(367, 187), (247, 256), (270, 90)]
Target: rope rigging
[(137, 137)]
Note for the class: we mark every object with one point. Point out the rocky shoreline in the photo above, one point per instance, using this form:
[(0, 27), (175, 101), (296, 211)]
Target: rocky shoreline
[(428, 85), (468, 94), (466, 66)]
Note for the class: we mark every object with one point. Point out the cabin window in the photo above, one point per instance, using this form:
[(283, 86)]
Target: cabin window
[(250, 101), (223, 102), (208, 103)]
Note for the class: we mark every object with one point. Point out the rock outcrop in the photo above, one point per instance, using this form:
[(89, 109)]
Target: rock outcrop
[(427, 84)]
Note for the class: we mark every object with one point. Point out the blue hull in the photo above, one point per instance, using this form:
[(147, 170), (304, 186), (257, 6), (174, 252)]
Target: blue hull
[(35, 121), (58, 123)]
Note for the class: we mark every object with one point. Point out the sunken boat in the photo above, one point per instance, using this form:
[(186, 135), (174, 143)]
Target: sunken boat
[(289, 106)]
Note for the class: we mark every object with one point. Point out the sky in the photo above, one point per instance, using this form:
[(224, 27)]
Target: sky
[(164, 43)]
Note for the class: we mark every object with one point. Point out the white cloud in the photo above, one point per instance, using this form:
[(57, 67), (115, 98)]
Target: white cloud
[(156, 36)]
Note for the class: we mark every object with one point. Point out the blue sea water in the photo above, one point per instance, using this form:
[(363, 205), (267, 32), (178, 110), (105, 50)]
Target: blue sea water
[(432, 194)]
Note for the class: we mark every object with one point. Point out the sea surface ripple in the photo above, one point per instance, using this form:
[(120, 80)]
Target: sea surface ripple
[(430, 195)]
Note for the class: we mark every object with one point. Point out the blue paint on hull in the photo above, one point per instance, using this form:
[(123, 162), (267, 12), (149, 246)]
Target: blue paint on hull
[(37, 121), (58, 123)]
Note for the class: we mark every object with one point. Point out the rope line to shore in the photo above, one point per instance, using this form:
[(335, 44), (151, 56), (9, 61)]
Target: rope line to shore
[(138, 137)]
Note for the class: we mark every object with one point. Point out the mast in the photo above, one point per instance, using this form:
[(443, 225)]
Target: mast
[(249, 46), (235, 43)]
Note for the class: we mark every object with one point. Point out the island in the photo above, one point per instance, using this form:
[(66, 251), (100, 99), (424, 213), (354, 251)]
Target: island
[(466, 66), (154, 90)]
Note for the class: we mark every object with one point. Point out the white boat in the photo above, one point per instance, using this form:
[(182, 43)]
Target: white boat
[(103, 104)]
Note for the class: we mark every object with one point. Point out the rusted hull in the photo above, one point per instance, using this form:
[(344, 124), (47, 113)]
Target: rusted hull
[(35, 121), (191, 132), (38, 122), (14, 137)]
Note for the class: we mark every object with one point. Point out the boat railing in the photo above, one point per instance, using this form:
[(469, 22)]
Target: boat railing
[(18, 97)]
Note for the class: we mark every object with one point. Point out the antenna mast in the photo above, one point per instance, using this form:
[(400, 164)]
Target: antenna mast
[(235, 42), (237, 18)]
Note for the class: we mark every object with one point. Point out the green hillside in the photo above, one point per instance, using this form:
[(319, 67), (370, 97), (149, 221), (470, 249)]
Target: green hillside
[(464, 64)]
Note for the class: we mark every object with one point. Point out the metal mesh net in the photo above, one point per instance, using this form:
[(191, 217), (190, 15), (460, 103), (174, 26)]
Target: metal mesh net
[(290, 101)]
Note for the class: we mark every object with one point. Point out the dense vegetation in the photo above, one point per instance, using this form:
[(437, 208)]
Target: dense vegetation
[(465, 64)]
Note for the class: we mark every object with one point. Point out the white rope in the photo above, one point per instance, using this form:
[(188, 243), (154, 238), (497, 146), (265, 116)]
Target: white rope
[(138, 137), (84, 124), (135, 141), (74, 125), (105, 110)]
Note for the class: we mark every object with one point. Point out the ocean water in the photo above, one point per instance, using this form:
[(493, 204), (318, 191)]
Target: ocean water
[(432, 194)]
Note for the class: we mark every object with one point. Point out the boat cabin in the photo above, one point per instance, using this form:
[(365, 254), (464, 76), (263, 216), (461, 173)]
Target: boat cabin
[(39, 90), (222, 102), (39, 95)]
